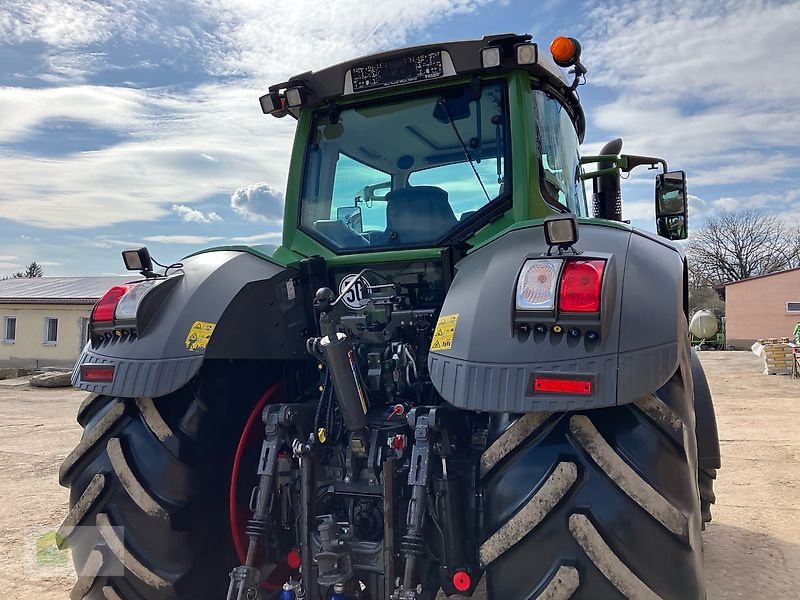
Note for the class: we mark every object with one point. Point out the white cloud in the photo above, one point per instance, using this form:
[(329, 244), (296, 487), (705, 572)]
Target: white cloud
[(48, 263), (56, 22), (259, 202), (705, 85), (120, 109), (181, 239), (180, 148), (191, 215), (8, 258)]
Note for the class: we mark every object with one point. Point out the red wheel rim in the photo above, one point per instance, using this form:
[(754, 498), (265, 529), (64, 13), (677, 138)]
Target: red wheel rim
[(251, 435)]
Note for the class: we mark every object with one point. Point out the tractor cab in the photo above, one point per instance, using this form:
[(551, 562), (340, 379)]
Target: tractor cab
[(429, 147), (442, 145)]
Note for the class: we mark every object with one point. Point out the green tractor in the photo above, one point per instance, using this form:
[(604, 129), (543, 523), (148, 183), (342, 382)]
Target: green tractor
[(448, 375)]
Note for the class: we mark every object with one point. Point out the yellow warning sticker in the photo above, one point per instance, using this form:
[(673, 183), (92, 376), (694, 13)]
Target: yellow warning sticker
[(198, 336), (445, 329)]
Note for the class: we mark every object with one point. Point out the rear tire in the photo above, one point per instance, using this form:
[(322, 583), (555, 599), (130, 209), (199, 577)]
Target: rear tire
[(148, 507), (597, 504)]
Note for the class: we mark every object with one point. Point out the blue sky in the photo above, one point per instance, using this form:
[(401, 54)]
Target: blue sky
[(137, 121)]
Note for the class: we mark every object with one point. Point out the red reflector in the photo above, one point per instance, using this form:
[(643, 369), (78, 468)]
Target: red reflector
[(97, 373), (579, 387), (293, 559), (462, 581), (580, 286), (104, 309)]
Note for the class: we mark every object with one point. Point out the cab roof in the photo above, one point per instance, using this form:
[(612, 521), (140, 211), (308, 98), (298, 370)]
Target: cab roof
[(458, 58)]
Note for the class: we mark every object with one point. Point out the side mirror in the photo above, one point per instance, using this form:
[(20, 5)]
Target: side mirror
[(672, 217), (350, 216)]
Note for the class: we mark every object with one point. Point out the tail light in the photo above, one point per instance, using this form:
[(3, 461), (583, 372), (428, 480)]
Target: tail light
[(129, 303), (121, 302), (581, 284), (104, 309)]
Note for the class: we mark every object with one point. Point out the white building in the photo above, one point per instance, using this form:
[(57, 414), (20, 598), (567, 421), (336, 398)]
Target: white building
[(45, 319)]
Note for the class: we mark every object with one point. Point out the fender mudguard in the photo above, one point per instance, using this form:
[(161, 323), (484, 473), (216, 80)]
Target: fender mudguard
[(225, 304), (493, 352), (708, 455)]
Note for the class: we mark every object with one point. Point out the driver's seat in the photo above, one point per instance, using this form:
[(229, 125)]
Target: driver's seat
[(415, 215)]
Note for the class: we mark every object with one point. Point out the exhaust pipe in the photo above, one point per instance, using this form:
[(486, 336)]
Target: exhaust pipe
[(606, 196)]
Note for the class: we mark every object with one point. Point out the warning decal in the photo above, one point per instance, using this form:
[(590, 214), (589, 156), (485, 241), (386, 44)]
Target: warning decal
[(198, 336), (443, 336)]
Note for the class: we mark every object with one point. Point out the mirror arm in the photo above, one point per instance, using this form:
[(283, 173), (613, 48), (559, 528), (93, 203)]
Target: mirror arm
[(600, 173), (612, 158), (628, 162), (601, 158)]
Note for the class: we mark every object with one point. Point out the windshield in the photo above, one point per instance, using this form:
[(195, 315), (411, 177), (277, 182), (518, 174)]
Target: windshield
[(559, 158), (405, 173)]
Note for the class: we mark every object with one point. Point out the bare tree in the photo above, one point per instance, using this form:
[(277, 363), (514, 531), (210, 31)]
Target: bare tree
[(735, 245)]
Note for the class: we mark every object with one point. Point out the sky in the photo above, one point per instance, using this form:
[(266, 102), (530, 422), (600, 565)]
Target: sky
[(129, 122)]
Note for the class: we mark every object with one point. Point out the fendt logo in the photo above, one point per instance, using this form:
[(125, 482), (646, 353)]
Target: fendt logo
[(357, 297)]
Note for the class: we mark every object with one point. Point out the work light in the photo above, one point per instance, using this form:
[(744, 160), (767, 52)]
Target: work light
[(526, 54), (561, 230), (295, 96), (270, 103), (490, 57), (137, 259)]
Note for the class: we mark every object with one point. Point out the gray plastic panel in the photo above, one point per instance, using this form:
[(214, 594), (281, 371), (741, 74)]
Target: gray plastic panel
[(135, 378), (642, 371), (505, 385)]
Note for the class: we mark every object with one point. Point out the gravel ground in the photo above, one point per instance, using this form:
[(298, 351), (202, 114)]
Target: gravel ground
[(752, 548)]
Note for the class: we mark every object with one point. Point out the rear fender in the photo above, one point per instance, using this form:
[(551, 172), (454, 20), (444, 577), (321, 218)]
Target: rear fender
[(491, 360), (227, 304), (708, 455)]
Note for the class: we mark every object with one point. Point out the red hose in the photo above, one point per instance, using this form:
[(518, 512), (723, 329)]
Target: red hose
[(251, 434)]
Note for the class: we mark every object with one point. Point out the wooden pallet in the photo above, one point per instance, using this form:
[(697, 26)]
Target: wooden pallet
[(779, 358)]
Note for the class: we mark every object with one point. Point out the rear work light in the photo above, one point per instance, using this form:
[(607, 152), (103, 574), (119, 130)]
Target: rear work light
[(578, 387), (94, 373), (104, 309), (581, 284)]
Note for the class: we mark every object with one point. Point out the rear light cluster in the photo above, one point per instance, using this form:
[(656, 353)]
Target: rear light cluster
[(121, 302), (104, 309), (576, 285)]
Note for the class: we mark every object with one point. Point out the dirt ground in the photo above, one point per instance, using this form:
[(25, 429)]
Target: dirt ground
[(752, 548)]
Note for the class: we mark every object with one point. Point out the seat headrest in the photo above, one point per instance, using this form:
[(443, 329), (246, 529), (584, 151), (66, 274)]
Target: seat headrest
[(418, 214)]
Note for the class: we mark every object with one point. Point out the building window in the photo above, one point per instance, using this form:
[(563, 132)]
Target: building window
[(50, 330), (84, 325), (793, 307), (9, 330)]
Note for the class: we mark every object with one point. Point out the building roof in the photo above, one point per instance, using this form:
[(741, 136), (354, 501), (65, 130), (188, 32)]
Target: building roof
[(57, 290), (729, 283)]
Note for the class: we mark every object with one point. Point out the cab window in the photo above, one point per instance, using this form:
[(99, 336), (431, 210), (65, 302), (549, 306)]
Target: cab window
[(405, 172), (559, 159)]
